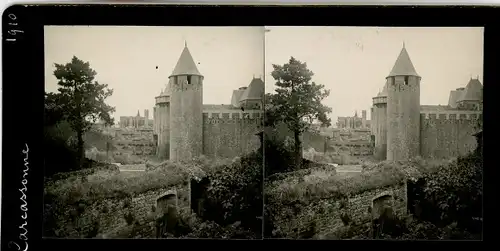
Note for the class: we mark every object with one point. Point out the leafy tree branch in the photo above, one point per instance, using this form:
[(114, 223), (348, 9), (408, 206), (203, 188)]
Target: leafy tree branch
[(80, 100), (296, 101)]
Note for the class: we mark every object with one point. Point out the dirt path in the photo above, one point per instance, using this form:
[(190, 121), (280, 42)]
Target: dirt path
[(349, 169), (133, 168)]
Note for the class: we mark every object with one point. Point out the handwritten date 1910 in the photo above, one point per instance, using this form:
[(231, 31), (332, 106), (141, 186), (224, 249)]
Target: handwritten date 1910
[(14, 29)]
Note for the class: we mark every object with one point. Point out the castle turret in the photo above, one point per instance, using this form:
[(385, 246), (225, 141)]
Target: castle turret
[(403, 109), (146, 117), (363, 118), (379, 126), (186, 109), (251, 98), (162, 124)]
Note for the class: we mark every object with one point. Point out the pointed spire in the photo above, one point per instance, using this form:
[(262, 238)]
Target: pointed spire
[(403, 65), (403, 44), (185, 43), (185, 65)]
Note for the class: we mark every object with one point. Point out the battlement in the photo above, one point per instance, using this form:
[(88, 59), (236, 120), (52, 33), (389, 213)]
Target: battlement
[(452, 115), (255, 116), (379, 100), (162, 99)]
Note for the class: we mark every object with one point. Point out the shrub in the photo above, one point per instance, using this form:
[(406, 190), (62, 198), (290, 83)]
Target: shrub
[(278, 157), (60, 148), (293, 200), (58, 156), (115, 186), (455, 193), (235, 194)]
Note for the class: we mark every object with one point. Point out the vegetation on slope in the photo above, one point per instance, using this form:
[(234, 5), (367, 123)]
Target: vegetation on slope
[(234, 203), (450, 196)]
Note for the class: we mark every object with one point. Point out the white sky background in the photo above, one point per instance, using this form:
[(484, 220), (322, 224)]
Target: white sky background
[(353, 61), (126, 57)]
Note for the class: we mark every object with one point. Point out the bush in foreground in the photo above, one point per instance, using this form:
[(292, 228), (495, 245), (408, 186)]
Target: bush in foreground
[(451, 194), (235, 194), (454, 193)]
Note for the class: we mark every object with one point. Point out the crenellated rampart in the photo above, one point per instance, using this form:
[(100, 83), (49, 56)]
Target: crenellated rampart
[(448, 134), (232, 134)]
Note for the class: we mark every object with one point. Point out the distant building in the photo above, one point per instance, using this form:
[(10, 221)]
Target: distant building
[(354, 122), (136, 121)]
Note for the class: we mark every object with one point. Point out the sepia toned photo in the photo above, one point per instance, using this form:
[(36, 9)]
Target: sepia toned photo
[(373, 133), (153, 132)]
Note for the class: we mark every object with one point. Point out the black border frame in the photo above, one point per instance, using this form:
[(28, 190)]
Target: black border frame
[(23, 83)]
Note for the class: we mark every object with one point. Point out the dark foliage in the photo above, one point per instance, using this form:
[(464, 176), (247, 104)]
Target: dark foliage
[(452, 194), (278, 158), (235, 194), (58, 156)]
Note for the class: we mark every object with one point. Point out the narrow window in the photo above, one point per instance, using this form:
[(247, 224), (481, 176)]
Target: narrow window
[(189, 80), (406, 80)]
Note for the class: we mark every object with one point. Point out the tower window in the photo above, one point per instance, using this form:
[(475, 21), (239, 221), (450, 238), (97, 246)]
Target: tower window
[(406, 80), (189, 80)]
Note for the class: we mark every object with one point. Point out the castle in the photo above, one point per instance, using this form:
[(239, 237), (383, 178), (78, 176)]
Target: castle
[(404, 129), (136, 121), (185, 128), (354, 122)]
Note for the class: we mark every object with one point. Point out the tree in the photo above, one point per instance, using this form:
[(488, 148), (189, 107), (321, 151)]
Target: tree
[(81, 100), (296, 101), (53, 111)]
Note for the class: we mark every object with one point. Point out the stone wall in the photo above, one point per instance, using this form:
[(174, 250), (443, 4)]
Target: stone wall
[(315, 140), (110, 214), (445, 136), (135, 142), (358, 205), (380, 131), (327, 214), (228, 135), (309, 139)]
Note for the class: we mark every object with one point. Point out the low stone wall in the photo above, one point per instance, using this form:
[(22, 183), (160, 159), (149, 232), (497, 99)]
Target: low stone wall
[(107, 218), (359, 205), (328, 215), (359, 210)]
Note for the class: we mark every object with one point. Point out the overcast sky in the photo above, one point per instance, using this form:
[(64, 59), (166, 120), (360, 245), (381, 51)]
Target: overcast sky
[(125, 58), (353, 61)]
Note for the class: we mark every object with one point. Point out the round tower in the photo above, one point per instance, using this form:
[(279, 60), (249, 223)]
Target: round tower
[(162, 124), (186, 109), (403, 110), (380, 124)]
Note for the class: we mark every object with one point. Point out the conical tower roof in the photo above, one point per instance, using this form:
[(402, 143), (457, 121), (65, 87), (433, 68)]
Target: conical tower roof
[(166, 91), (383, 93), (403, 65), (185, 64), (455, 96), (473, 91), (254, 91)]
